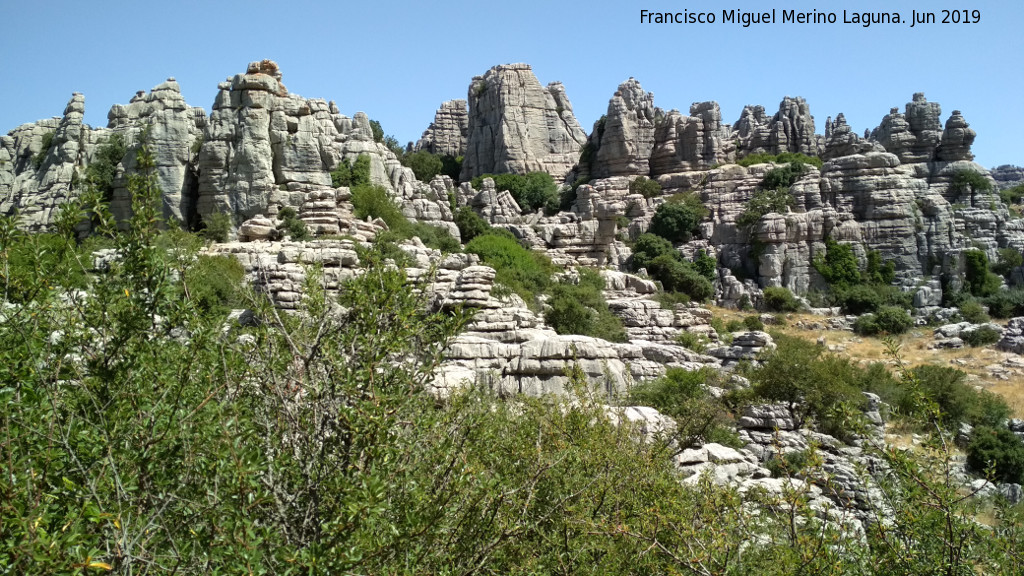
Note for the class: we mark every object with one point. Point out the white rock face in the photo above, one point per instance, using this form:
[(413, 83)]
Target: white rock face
[(622, 143), (448, 134), (518, 126)]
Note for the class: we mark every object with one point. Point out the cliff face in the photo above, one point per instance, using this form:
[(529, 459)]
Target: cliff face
[(263, 148), (516, 125)]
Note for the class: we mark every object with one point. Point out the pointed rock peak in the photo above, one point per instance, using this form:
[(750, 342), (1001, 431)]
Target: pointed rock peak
[(957, 139), (76, 105), (447, 134)]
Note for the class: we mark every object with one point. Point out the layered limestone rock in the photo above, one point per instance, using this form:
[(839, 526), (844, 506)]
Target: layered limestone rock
[(622, 141), (40, 164), (448, 134), (694, 142), (956, 139), (518, 126), (913, 136), (791, 129), (175, 132), (1007, 176)]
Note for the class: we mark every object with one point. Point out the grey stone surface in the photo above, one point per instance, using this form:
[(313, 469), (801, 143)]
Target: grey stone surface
[(448, 134), (622, 141)]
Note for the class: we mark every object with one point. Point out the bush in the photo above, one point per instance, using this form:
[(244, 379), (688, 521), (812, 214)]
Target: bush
[(47, 143), (1009, 259), (780, 299), (887, 320), (526, 273), (783, 177), (865, 298), (214, 283), (648, 247), (683, 396), (677, 220), (352, 174), (981, 337), (531, 191), (956, 400), (102, 170), (375, 202), (432, 236), (980, 282), (1006, 303), (1000, 449), (1013, 195), (581, 309), (451, 166), (645, 186), (677, 276), (753, 323), (751, 159), (839, 266), (877, 272), (470, 224), (765, 202), (971, 181), (706, 265), (973, 312), (693, 341), (216, 227), (424, 164)]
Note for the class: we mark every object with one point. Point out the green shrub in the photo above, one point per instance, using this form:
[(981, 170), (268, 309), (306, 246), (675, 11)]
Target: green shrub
[(581, 309), (734, 325), (47, 143), (973, 312), (887, 320), (424, 164), (980, 282), (531, 191), (981, 337), (677, 276), (783, 177), (706, 265), (375, 202), (645, 186), (839, 266), (878, 272), (526, 273), (432, 236), (753, 323), (1013, 195), (102, 170), (751, 159), (765, 202), (789, 464), (696, 342), (648, 247), (1000, 449), (683, 396), (780, 299), (971, 181), (470, 223), (214, 283), (957, 401), (865, 298), (678, 219), (352, 174), (216, 227), (1006, 303), (1009, 259)]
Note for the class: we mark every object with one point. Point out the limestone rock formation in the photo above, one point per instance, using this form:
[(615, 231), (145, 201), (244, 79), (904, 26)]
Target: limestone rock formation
[(518, 126), (791, 129), (448, 134), (913, 136), (1007, 176), (694, 142), (956, 139), (622, 141)]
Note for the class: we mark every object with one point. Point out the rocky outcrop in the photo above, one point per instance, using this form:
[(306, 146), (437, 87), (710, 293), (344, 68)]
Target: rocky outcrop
[(448, 134), (956, 140), (623, 139), (1013, 336), (913, 136), (1007, 176), (791, 129), (518, 126), (694, 142)]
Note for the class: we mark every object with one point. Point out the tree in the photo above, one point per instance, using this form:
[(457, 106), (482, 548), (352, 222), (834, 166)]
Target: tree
[(677, 220)]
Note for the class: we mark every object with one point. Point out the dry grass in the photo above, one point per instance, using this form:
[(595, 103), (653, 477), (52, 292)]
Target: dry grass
[(914, 350)]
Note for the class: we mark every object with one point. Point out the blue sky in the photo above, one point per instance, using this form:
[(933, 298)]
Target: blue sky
[(398, 60)]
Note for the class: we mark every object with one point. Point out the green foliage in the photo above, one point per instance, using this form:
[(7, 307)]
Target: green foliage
[(970, 181), (980, 282), (470, 224), (682, 395), (753, 323), (955, 400), (765, 202), (1013, 195), (981, 337), (676, 275), (865, 298), (887, 320), (1009, 259), (531, 191), (839, 266), (789, 464), (783, 177), (214, 284), (645, 186), (1000, 449), (424, 164), (292, 225), (217, 227), (878, 272), (370, 201), (678, 219), (451, 166), (706, 265), (648, 247), (377, 131), (1006, 303), (432, 236), (526, 273), (102, 170), (785, 157), (780, 299), (972, 311), (580, 308), (35, 263), (47, 143), (352, 174)]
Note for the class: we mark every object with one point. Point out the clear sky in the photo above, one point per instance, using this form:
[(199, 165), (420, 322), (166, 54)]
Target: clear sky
[(398, 60)]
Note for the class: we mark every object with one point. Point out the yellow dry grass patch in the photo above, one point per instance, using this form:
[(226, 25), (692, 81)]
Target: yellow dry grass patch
[(913, 348)]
